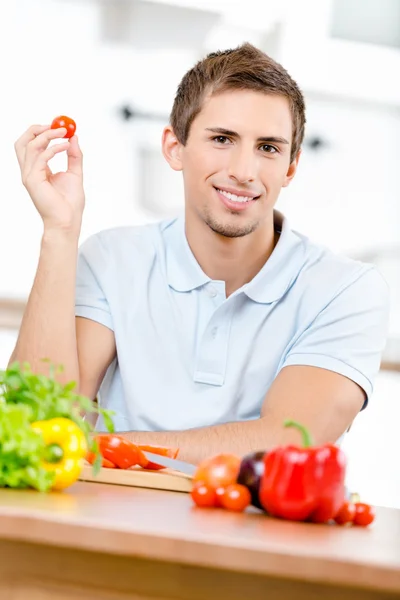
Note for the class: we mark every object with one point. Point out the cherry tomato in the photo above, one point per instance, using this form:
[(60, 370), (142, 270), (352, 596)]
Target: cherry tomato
[(203, 495), (236, 497), (219, 492), (365, 514), (219, 471), (64, 121), (346, 514)]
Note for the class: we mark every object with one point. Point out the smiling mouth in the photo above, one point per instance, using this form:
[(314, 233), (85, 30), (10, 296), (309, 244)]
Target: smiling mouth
[(236, 198)]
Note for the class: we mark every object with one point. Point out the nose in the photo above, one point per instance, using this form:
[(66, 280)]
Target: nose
[(242, 165)]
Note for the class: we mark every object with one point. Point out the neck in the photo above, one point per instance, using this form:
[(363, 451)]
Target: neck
[(233, 260)]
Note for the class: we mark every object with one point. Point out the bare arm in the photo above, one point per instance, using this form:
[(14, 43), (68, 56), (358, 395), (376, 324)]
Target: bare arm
[(322, 400), (48, 324), (49, 328)]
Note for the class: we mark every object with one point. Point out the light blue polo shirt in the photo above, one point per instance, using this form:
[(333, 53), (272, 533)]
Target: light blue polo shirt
[(187, 356)]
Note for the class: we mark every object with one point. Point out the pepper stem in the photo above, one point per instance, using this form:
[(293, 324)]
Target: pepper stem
[(306, 435), (53, 453)]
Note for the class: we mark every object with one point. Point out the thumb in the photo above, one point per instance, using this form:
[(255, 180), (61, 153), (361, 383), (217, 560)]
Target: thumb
[(75, 157)]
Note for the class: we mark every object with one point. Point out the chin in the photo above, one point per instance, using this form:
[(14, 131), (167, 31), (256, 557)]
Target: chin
[(229, 229)]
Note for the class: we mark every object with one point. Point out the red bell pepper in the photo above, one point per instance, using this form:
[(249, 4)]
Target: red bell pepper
[(91, 458), (119, 452), (303, 484)]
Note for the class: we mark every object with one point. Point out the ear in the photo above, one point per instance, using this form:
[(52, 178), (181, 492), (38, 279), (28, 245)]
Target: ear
[(171, 148), (292, 170)]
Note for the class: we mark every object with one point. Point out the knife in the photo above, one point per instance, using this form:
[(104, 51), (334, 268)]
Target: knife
[(171, 463), (188, 468)]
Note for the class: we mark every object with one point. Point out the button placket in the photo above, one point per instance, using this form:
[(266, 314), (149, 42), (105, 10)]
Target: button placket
[(212, 353)]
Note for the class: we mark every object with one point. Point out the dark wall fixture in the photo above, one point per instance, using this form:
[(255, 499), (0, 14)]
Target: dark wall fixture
[(315, 143), (128, 113)]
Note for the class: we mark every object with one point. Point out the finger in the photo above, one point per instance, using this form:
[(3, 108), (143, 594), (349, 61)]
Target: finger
[(40, 165), (23, 141), (40, 143), (75, 156)]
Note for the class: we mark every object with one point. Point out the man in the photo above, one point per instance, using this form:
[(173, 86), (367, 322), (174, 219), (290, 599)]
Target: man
[(207, 331)]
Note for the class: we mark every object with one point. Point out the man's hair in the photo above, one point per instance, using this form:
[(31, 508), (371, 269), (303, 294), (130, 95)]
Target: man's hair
[(243, 68)]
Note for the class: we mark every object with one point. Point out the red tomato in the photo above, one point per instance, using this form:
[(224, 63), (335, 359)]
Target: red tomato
[(219, 492), (203, 495), (64, 121), (365, 514), (346, 513), (236, 497), (219, 471)]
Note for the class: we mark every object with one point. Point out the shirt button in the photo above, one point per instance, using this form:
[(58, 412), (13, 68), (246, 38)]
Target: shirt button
[(212, 292), (214, 332)]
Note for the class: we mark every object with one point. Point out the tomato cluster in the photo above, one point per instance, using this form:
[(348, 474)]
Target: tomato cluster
[(215, 484), (355, 513)]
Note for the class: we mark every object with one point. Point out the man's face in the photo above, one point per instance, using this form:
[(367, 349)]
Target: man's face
[(236, 160)]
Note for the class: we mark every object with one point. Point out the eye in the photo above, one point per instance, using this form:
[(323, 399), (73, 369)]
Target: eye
[(221, 139), (269, 149)]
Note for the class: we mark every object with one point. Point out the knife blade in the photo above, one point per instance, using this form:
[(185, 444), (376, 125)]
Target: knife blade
[(171, 463)]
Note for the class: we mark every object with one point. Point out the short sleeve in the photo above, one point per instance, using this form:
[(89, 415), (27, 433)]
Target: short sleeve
[(90, 300), (348, 336)]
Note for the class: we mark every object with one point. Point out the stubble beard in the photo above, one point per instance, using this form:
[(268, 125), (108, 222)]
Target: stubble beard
[(229, 230)]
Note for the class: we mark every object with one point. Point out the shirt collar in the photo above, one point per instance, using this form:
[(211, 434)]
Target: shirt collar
[(282, 267), (269, 285), (183, 271)]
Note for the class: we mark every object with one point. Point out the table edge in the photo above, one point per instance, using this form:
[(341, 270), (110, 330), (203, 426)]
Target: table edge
[(39, 529)]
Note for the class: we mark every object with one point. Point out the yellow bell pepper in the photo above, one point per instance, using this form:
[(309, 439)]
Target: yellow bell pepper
[(66, 448)]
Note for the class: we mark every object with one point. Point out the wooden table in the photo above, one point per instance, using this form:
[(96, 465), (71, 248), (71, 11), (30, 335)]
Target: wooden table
[(107, 542)]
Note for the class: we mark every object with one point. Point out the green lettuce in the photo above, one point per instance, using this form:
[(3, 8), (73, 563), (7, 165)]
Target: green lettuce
[(26, 397)]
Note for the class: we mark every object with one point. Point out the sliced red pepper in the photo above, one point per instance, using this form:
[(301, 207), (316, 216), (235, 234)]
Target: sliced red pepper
[(146, 464), (303, 484), (120, 451), (91, 457)]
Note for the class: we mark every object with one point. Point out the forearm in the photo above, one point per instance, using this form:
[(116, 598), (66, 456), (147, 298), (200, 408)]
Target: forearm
[(238, 438), (48, 325)]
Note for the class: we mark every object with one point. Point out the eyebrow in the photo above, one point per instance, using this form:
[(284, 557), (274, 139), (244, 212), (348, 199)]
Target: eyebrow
[(266, 139)]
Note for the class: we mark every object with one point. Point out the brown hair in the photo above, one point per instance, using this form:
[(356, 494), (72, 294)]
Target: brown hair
[(243, 68)]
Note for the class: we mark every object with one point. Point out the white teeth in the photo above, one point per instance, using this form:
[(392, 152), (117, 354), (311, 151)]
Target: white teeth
[(233, 197)]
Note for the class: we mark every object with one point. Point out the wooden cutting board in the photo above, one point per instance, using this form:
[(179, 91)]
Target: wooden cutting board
[(138, 477)]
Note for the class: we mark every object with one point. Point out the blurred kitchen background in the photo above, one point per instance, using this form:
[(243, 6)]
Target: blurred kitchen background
[(113, 65)]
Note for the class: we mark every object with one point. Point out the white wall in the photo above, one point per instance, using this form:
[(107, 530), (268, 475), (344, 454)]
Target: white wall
[(57, 65), (372, 446), (346, 195)]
